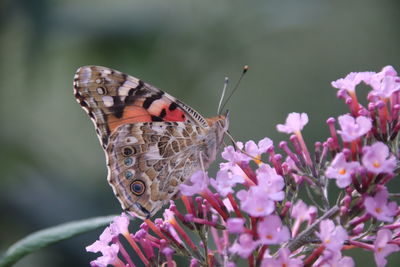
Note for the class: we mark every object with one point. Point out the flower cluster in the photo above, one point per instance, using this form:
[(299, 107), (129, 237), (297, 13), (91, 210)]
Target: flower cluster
[(255, 210)]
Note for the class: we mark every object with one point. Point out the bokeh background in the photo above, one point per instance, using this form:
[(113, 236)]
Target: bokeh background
[(52, 168)]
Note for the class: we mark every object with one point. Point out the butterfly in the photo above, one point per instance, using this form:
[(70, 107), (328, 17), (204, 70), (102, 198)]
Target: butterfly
[(152, 141)]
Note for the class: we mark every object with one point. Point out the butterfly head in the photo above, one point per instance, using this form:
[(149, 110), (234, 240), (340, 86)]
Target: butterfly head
[(220, 123), (218, 127)]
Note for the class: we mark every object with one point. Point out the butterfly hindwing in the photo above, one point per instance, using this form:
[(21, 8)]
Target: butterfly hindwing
[(154, 156)]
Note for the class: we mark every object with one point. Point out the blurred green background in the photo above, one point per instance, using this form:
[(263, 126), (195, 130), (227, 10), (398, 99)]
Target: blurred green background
[(52, 166)]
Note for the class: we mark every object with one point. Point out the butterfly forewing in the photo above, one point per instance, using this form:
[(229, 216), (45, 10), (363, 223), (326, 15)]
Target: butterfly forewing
[(112, 98)]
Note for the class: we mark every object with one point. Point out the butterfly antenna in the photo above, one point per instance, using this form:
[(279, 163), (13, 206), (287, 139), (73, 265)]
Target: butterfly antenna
[(223, 94), (245, 68)]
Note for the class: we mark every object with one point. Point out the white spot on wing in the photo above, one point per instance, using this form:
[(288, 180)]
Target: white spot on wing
[(158, 128), (158, 105), (108, 101), (128, 85), (105, 72), (131, 140), (85, 73), (133, 173)]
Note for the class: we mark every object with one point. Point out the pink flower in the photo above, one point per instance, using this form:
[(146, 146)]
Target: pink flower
[(353, 128), (199, 181), (104, 239), (271, 231), (384, 82), (120, 225), (335, 259), (386, 87), (255, 150), (292, 166), (302, 212), (225, 181), (235, 225), (109, 257), (332, 236), (228, 204), (294, 123), (244, 246), (258, 201), (381, 247), (234, 156), (168, 252), (194, 263), (255, 202), (379, 207), (350, 82), (168, 215), (283, 260), (341, 170), (270, 182), (375, 159)]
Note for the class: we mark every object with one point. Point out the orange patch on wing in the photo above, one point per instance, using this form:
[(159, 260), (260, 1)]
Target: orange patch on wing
[(174, 115), (132, 114), (162, 106)]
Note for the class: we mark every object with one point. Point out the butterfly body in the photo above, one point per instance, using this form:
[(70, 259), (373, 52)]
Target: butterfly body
[(152, 141)]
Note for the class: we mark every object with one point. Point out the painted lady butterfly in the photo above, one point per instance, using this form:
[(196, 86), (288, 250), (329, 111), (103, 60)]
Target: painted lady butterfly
[(152, 141)]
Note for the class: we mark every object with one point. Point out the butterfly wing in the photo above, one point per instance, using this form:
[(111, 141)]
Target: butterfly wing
[(152, 141), (147, 162), (112, 98)]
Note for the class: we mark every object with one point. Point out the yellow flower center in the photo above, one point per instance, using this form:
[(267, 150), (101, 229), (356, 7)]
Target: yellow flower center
[(257, 160), (378, 210), (376, 164), (268, 237), (342, 171)]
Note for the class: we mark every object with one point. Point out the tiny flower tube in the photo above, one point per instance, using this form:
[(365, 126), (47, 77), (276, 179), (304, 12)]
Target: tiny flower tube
[(137, 250), (187, 201), (125, 254), (182, 233), (284, 146), (210, 198), (331, 123)]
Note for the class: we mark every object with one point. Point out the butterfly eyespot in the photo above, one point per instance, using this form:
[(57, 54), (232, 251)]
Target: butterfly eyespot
[(138, 187), (128, 161), (127, 151), (128, 175)]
